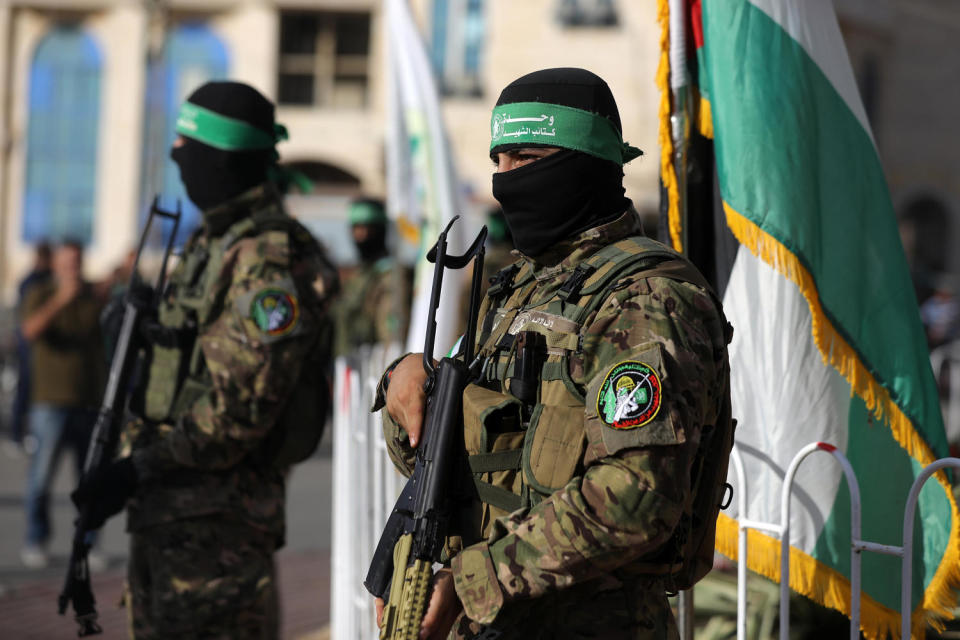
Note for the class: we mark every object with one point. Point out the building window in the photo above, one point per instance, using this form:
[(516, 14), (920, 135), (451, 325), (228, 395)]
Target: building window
[(62, 135), (324, 59), (457, 36), (191, 55), (587, 13)]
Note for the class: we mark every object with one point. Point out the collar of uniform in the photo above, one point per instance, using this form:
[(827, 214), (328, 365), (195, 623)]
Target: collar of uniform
[(218, 219), (567, 254)]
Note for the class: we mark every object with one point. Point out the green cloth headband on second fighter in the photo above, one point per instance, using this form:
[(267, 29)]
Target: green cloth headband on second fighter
[(555, 125), (366, 212), (223, 132)]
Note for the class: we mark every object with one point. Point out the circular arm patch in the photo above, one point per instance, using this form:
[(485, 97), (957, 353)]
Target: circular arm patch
[(275, 312), (629, 396)]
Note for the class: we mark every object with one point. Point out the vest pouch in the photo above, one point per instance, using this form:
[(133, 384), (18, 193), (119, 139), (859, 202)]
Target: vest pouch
[(553, 449), (493, 436), (163, 381)]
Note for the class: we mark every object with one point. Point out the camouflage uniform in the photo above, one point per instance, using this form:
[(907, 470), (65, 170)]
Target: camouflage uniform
[(239, 363), (374, 306), (594, 485)]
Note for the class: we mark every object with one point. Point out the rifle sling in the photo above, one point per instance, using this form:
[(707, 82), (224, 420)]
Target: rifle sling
[(500, 498)]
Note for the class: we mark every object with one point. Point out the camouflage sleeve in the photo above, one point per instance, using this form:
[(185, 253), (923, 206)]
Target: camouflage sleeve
[(392, 307), (651, 356), (401, 453), (253, 350)]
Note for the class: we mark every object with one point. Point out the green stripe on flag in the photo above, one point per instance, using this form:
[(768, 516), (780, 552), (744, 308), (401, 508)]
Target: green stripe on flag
[(822, 195)]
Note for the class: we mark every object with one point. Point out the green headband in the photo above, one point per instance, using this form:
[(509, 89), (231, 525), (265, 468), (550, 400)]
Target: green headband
[(559, 126), (223, 132), (366, 213)]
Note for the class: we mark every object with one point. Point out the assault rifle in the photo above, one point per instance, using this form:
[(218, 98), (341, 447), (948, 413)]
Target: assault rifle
[(402, 565), (106, 430)]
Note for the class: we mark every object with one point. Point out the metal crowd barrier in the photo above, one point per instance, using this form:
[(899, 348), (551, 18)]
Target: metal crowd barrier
[(857, 545), (365, 487)]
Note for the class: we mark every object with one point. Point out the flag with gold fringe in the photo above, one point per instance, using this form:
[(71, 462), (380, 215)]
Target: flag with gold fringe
[(767, 150)]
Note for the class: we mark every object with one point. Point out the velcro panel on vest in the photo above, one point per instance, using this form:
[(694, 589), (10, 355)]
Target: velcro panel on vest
[(560, 333), (553, 447)]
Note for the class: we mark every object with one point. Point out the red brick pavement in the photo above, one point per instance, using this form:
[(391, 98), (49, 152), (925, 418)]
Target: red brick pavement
[(29, 612)]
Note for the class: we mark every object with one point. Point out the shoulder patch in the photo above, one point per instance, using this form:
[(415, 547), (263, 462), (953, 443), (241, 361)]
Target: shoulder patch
[(629, 396), (275, 311)]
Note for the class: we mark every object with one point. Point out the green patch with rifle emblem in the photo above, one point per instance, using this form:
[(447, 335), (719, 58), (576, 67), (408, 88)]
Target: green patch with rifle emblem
[(629, 396), (275, 312)]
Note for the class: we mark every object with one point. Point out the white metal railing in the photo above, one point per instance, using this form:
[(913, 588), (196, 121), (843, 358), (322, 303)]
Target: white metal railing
[(365, 486), (857, 544)]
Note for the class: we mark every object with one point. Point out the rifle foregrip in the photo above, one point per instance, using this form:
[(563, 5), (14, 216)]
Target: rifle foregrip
[(404, 613)]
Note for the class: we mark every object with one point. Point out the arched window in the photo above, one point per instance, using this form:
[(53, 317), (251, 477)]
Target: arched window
[(324, 209), (191, 55), (62, 134)]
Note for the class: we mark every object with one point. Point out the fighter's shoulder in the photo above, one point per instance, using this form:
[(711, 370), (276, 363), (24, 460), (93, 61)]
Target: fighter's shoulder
[(280, 242)]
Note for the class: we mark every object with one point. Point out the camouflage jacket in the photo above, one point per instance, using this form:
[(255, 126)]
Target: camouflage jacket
[(374, 306), (606, 479), (250, 299)]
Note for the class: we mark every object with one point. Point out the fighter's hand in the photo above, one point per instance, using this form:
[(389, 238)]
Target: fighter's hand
[(406, 401), (378, 603), (443, 608)]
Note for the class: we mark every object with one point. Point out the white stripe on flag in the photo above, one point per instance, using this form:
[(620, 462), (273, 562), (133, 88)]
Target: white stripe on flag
[(784, 397)]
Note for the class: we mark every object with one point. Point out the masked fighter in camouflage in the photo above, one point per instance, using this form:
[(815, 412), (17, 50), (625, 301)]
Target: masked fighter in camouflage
[(579, 503), (374, 306), (236, 390)]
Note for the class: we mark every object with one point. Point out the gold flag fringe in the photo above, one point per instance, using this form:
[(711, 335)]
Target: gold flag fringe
[(667, 170), (810, 578), (764, 556), (704, 117)]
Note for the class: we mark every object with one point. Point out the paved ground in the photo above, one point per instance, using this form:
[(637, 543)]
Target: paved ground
[(28, 598)]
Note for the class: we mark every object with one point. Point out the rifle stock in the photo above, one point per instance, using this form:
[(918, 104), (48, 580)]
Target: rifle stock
[(412, 540), (106, 431)]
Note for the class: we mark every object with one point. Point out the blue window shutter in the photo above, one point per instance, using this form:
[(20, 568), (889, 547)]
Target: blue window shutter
[(438, 37), (62, 132), (192, 55)]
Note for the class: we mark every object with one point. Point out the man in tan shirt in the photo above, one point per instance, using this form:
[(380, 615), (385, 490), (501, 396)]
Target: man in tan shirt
[(60, 320)]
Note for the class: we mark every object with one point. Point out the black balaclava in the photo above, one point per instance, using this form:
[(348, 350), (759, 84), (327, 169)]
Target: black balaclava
[(370, 214), (561, 195), (213, 176), (374, 246)]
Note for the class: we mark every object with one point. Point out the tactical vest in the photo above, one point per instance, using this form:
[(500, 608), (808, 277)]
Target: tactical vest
[(517, 460), (178, 375)]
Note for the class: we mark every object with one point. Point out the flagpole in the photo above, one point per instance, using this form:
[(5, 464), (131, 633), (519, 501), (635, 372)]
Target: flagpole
[(680, 130), (679, 118)]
